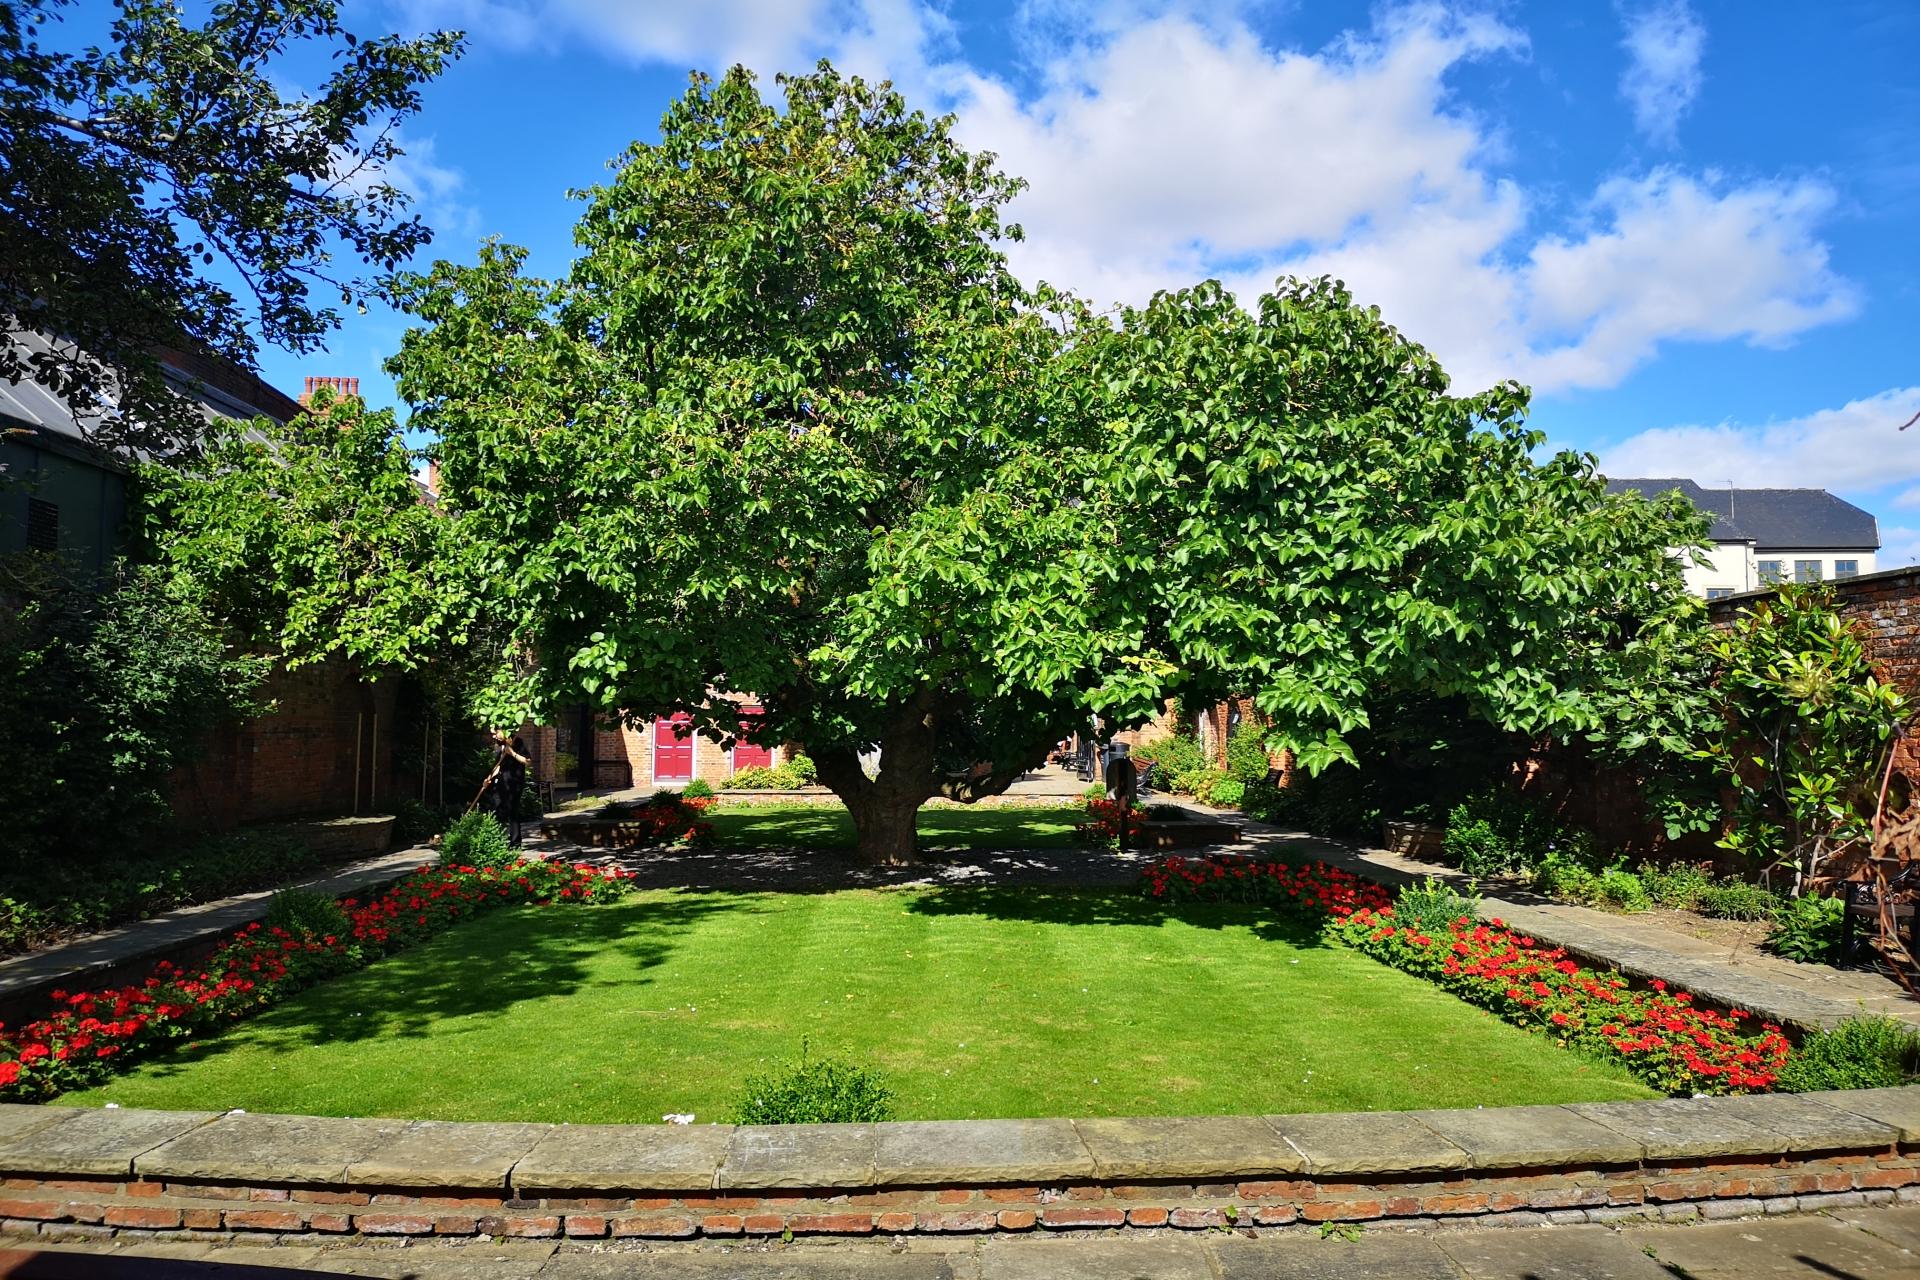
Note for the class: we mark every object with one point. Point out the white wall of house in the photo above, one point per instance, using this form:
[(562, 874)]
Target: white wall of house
[(1732, 567)]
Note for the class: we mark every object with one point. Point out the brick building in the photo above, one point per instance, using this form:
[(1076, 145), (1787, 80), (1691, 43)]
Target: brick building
[(581, 749)]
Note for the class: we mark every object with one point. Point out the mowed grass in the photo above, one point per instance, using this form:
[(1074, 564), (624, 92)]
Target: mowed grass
[(974, 1002), (738, 825)]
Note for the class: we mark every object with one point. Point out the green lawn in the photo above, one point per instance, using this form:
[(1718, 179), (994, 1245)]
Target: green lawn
[(976, 1002), (830, 826)]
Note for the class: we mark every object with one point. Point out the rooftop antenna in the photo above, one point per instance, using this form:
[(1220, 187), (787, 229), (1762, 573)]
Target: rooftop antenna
[(1729, 499)]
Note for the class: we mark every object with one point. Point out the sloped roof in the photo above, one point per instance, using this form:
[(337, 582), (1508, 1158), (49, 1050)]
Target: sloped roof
[(1771, 518)]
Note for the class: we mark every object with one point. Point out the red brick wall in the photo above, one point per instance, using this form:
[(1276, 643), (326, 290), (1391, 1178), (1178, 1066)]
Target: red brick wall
[(299, 760)]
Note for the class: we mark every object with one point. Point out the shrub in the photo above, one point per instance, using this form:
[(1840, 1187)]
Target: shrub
[(1433, 906), (414, 822), (698, 789), (1175, 754), (1738, 900), (1861, 1053), (802, 768), (1477, 849), (789, 776), (1228, 792), (1622, 890), (1264, 802), (816, 1091), (307, 913), (476, 840), (1503, 834), (1094, 792), (1679, 886), (1105, 820), (1247, 757), (1559, 876), (1807, 930)]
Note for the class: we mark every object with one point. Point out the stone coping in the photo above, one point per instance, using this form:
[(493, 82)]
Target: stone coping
[(530, 1160)]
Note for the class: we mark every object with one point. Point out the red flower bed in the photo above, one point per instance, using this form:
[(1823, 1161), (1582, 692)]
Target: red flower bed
[(1310, 887), (665, 818), (1659, 1034), (96, 1033), (1104, 822)]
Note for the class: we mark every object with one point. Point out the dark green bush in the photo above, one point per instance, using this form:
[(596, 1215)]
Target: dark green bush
[(1738, 900), (1677, 887), (1807, 930), (1497, 832), (1559, 876), (1264, 802), (414, 822), (477, 840), (1228, 792), (307, 913), (816, 1091), (1432, 906), (1860, 1053), (1175, 754), (1247, 757), (1622, 890), (698, 789)]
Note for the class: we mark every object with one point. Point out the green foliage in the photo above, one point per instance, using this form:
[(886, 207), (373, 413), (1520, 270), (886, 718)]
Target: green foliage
[(790, 775), (1173, 755), (1806, 726), (816, 1091), (1679, 887), (477, 840), (43, 900), (307, 913), (1807, 930), (1498, 832), (1559, 875), (1265, 802), (1861, 1053), (1739, 900), (139, 150), (698, 789), (1094, 792), (414, 822), (802, 767), (105, 689), (1228, 792), (1621, 890), (1432, 906), (1247, 759)]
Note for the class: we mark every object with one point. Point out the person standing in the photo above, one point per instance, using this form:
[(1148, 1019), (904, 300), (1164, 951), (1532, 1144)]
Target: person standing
[(509, 778)]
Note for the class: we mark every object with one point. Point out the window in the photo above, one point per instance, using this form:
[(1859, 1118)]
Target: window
[(1719, 593), (43, 525), (1772, 571), (1846, 568), (1806, 571)]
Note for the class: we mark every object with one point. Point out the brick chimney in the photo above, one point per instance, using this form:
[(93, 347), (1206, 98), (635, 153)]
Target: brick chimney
[(341, 388)]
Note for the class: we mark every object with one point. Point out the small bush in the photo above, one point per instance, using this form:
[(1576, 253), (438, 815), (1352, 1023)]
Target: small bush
[(1807, 930), (476, 840), (1860, 1053), (307, 913), (1477, 849), (1498, 832), (1174, 753), (790, 776), (1738, 900), (1200, 783), (1678, 887), (1247, 757), (1094, 792), (802, 768), (1622, 890), (1432, 906), (414, 822), (1229, 792), (698, 789), (1559, 876), (816, 1091)]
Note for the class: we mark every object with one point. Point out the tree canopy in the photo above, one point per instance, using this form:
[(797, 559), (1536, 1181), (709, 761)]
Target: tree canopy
[(791, 427), (129, 169)]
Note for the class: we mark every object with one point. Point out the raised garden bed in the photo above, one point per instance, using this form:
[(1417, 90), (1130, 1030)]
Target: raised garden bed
[(1172, 826), (1413, 839), (344, 838)]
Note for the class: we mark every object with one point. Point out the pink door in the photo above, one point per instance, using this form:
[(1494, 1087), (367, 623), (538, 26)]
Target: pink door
[(745, 754), (673, 748)]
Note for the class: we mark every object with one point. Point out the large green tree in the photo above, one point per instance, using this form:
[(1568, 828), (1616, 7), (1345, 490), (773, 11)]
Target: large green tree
[(791, 427), (167, 188)]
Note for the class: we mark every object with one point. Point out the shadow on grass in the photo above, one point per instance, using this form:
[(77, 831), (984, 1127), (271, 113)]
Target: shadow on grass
[(1048, 904), (830, 827), (479, 968)]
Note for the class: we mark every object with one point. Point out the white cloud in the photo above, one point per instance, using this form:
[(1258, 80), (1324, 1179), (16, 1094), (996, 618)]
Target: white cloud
[(1858, 446), (1899, 547), (437, 190), (1664, 44), (1166, 142)]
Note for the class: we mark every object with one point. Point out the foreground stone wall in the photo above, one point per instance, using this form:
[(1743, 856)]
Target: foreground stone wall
[(95, 1173)]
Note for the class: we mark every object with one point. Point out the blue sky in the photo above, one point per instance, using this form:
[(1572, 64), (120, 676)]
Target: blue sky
[(1689, 226)]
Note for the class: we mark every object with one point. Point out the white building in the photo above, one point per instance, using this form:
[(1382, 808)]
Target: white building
[(1762, 536)]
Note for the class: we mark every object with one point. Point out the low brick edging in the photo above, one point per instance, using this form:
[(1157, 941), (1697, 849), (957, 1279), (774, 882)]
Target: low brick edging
[(72, 1172)]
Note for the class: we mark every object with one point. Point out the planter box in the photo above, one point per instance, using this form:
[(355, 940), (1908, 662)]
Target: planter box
[(1189, 830), (344, 838), (1413, 839)]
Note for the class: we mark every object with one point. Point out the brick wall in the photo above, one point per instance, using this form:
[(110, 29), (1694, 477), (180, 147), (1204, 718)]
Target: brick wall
[(328, 739)]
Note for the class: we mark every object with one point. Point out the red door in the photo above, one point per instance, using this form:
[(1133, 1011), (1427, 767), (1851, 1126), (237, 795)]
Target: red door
[(745, 754), (673, 749)]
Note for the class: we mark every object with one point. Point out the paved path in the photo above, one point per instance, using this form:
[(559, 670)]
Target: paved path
[(1805, 995), (1860, 1244), (71, 963)]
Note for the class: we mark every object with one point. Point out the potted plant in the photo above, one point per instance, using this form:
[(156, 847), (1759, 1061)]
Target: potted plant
[(1414, 834)]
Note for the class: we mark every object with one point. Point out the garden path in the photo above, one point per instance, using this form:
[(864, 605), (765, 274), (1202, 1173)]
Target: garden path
[(1735, 976), (84, 958), (1860, 1243)]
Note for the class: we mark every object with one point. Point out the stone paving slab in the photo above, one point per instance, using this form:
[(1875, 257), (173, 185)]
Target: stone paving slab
[(1801, 1246), (1899, 1226), (240, 1147), (799, 1264), (1678, 1128), (1025, 1152), (1163, 1258), (95, 1141), (1383, 1256), (436, 1153), (1368, 1142), (71, 963), (1514, 1137), (1808, 1122), (1186, 1147), (636, 1157), (1570, 1253), (18, 1119), (799, 1155), (1898, 1107)]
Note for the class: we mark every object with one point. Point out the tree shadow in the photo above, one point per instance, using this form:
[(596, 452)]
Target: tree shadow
[(480, 968), (1083, 905)]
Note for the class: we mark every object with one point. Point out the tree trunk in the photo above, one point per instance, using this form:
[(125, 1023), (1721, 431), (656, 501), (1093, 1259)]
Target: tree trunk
[(887, 830)]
